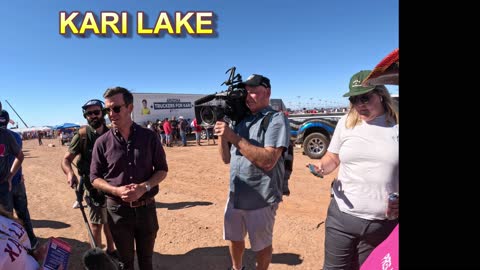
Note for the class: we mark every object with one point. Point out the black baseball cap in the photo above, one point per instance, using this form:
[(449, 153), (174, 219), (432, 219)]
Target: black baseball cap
[(256, 80), (4, 118), (93, 102)]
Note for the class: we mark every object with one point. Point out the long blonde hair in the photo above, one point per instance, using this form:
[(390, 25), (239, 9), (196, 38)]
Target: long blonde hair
[(391, 112)]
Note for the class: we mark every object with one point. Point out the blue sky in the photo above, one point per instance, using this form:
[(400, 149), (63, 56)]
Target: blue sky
[(309, 50)]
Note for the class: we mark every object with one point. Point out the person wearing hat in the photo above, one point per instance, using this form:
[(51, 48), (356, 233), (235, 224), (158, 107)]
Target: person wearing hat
[(82, 144), (128, 163), (174, 134), (182, 128), (256, 173), (18, 196), (365, 148)]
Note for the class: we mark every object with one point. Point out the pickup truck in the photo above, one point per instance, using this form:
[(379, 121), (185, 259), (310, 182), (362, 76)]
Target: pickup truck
[(313, 132), (66, 138)]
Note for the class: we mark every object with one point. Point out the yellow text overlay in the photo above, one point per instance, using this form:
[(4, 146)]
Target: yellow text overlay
[(105, 23)]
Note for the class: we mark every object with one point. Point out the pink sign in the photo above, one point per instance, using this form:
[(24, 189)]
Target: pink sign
[(385, 255)]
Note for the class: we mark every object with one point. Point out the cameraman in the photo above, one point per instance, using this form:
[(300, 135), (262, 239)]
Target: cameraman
[(256, 173), (82, 143)]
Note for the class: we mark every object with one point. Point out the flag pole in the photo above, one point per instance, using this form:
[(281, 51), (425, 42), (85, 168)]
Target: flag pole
[(16, 113)]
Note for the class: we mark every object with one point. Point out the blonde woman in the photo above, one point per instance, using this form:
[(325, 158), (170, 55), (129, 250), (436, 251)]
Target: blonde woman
[(365, 148)]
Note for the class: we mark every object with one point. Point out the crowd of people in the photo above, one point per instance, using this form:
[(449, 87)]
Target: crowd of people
[(121, 167), (174, 131)]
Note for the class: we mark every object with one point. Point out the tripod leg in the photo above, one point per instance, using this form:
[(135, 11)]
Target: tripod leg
[(85, 219)]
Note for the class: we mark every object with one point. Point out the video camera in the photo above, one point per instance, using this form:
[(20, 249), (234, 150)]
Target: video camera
[(228, 103)]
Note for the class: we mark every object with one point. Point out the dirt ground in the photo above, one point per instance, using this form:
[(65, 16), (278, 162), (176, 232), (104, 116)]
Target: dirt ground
[(190, 208)]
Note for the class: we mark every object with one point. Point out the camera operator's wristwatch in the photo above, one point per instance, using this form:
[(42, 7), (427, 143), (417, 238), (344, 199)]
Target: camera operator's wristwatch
[(148, 187)]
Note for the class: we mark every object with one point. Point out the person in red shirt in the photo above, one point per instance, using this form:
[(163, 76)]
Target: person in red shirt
[(197, 129), (167, 127)]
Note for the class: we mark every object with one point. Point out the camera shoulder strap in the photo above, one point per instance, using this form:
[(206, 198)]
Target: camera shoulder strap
[(287, 154), (265, 121), (82, 132)]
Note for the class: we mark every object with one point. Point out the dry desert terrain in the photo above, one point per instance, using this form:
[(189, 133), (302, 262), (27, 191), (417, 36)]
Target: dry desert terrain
[(190, 208)]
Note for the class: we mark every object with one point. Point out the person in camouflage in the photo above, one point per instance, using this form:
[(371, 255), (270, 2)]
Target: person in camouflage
[(82, 144)]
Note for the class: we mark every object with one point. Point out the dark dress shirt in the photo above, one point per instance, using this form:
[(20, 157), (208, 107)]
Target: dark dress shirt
[(122, 162)]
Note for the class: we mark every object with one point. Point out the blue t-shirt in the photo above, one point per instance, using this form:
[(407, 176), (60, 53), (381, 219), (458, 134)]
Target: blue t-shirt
[(252, 187), (9, 149), (18, 176)]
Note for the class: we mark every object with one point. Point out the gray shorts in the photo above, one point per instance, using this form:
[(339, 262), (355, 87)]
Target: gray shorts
[(258, 223), (97, 214)]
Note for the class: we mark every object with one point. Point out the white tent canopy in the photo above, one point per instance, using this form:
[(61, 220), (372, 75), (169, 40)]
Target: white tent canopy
[(30, 129)]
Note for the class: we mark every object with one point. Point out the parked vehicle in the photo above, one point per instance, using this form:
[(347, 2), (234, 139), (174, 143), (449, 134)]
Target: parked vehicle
[(203, 134), (278, 105), (313, 133), (66, 138)]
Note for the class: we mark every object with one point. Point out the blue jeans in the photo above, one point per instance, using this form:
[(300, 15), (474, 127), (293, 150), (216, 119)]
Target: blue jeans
[(183, 135), (17, 199), (162, 138)]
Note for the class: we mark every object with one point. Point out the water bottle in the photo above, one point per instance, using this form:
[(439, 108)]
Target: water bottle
[(392, 198)]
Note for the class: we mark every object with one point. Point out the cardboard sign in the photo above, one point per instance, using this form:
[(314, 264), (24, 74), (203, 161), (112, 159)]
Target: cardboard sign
[(58, 253)]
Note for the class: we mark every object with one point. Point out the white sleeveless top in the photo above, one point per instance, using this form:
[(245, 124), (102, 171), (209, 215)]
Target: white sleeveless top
[(14, 230), (14, 243)]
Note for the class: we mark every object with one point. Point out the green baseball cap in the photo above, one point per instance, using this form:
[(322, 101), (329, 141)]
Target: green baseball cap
[(355, 85)]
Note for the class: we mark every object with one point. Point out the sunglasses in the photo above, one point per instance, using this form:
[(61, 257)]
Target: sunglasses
[(115, 109), (363, 99), (95, 112)]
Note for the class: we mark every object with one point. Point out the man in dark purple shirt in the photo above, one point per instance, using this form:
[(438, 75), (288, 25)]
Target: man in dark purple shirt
[(128, 163)]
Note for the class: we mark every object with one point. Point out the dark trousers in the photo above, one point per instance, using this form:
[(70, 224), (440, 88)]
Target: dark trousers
[(349, 239), (133, 227), (17, 199)]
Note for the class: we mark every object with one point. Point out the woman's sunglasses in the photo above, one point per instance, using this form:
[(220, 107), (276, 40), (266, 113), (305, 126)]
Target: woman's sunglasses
[(115, 109), (363, 99)]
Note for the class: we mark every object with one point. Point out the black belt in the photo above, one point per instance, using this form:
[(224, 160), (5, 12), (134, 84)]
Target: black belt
[(135, 204)]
